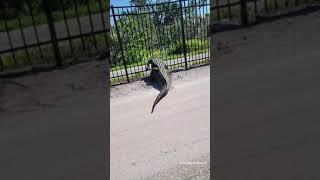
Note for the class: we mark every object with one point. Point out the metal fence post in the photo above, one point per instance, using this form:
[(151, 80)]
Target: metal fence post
[(120, 42), (1, 64), (218, 10), (183, 36), (244, 13), (53, 34)]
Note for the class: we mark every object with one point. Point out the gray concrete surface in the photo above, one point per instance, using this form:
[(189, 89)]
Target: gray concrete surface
[(56, 127), (60, 143), (145, 145), (266, 101)]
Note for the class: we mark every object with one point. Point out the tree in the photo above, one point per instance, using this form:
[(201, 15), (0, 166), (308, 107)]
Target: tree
[(139, 2)]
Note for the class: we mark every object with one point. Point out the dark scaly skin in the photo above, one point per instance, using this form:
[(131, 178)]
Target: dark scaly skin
[(158, 64)]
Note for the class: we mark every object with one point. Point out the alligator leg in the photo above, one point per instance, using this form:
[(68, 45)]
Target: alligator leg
[(154, 75)]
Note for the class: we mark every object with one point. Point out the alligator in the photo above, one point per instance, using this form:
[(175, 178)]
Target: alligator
[(159, 68)]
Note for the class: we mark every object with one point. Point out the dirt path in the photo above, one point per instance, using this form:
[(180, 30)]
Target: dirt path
[(144, 144)]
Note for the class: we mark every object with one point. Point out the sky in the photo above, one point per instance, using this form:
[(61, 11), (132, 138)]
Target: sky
[(119, 2)]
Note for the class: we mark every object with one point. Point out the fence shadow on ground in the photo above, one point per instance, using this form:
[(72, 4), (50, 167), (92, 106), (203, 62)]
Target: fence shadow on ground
[(300, 12), (218, 28)]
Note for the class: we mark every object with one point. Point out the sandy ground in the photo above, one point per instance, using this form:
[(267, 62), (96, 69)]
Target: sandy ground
[(155, 146)]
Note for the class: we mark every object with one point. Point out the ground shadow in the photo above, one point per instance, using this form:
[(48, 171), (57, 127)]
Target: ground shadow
[(40, 68), (299, 12), (154, 84), (261, 19), (218, 28)]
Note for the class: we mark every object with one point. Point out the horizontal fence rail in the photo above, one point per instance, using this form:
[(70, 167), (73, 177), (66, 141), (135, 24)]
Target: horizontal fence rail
[(51, 33), (175, 31)]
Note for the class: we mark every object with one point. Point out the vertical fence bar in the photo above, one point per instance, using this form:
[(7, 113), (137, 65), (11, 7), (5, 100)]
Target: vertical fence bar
[(187, 11), (10, 41), (229, 9), (152, 19), (208, 32), (140, 24), (120, 43), (35, 28), (103, 23), (218, 10), (1, 64), (157, 34), (171, 45), (144, 30), (91, 25), (244, 13), (179, 37), (196, 33), (24, 40), (192, 34), (127, 35), (255, 9), (67, 26), (79, 25), (113, 53), (204, 35), (53, 34), (183, 35), (202, 25), (266, 6)]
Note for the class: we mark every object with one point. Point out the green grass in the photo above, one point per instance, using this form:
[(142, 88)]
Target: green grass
[(195, 47), (40, 19), (139, 75), (22, 59), (170, 57), (123, 79)]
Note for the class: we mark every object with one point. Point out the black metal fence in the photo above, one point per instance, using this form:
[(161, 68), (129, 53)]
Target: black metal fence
[(245, 12), (51, 33), (175, 31)]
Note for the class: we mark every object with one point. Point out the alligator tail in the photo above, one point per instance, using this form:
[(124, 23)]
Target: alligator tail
[(161, 95)]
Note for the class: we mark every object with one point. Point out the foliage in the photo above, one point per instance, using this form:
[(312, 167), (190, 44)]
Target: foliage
[(157, 31), (191, 46)]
